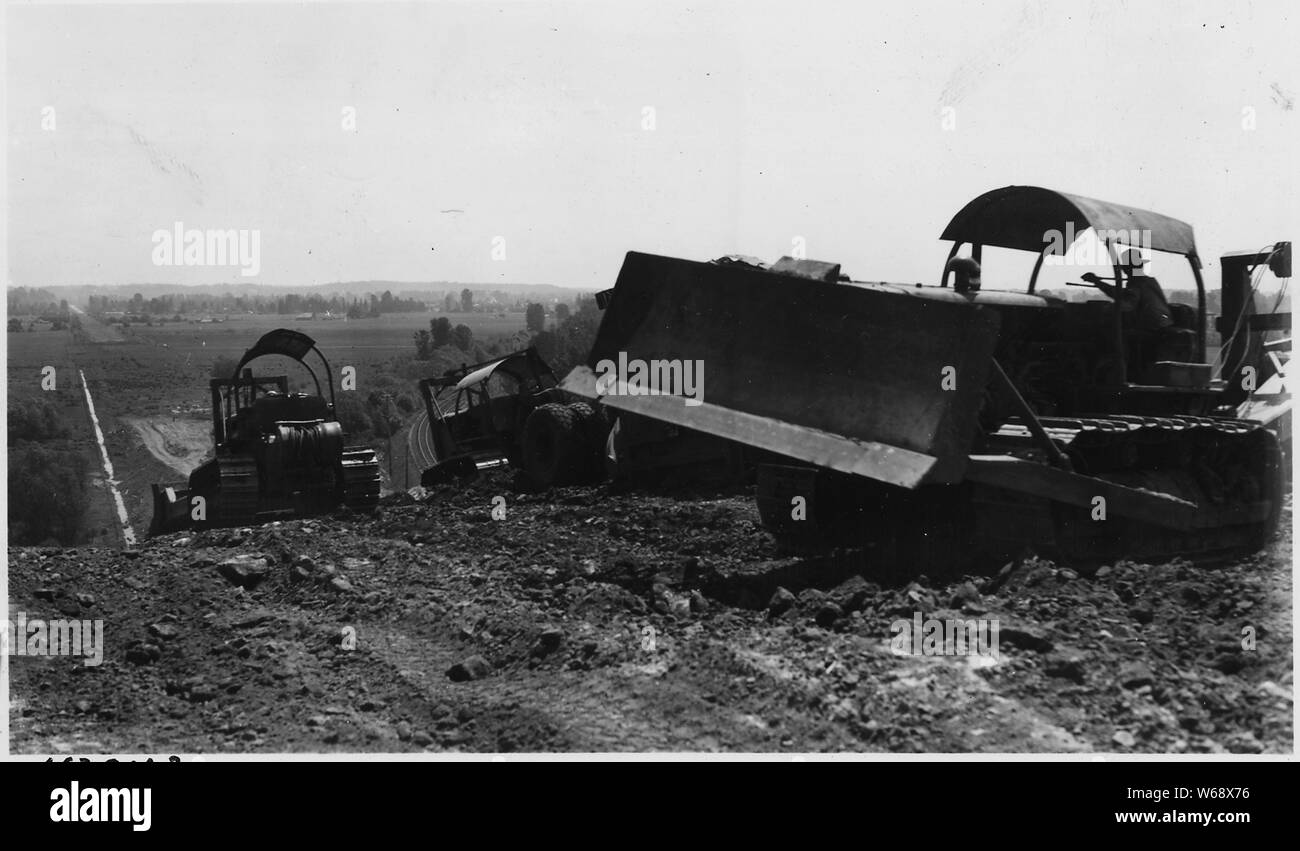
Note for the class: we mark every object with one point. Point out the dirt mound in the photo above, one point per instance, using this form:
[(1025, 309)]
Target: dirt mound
[(181, 444), (591, 620)]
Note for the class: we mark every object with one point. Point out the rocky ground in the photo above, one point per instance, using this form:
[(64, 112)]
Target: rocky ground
[(592, 620)]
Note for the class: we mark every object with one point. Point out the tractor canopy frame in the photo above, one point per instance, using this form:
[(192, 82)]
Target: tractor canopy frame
[(282, 341), (469, 383), (1026, 218)]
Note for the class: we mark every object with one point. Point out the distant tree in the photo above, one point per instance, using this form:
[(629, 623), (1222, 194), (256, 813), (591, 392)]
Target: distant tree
[(562, 312), (571, 341), (535, 318), (47, 494), (462, 337), (15, 325), (423, 344), (467, 300), (352, 414), (383, 414), (440, 329), (34, 419), (449, 304), (547, 344)]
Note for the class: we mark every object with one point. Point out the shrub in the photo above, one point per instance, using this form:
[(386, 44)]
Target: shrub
[(47, 494), (352, 414), (34, 419)]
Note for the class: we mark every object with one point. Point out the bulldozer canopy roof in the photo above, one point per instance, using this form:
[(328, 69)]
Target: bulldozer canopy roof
[(281, 341), (1021, 217), (483, 373), (523, 365)]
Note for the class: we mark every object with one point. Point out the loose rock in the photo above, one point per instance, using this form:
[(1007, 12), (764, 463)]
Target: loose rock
[(782, 601), (246, 571)]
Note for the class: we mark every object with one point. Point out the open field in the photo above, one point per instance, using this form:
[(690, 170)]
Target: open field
[(389, 334)]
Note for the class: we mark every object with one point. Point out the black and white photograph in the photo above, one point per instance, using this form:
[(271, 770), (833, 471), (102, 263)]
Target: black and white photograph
[(578, 380)]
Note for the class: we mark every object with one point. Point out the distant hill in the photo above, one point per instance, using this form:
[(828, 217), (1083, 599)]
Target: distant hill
[(432, 291)]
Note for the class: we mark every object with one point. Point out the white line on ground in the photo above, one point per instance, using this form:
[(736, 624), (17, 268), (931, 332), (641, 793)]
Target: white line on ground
[(128, 534)]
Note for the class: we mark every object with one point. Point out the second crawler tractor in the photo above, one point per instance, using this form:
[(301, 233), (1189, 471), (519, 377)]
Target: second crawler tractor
[(277, 454)]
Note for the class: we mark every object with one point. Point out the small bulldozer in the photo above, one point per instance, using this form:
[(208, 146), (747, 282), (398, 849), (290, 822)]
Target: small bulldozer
[(509, 411), (940, 428), (278, 455)]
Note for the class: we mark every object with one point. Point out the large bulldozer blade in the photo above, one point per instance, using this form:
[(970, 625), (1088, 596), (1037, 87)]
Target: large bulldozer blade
[(171, 509), (871, 380)]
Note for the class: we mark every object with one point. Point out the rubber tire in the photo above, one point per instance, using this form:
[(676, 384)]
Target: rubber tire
[(555, 446), (595, 428)]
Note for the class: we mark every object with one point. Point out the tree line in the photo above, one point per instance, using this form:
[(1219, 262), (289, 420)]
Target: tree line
[(47, 475), (290, 304)]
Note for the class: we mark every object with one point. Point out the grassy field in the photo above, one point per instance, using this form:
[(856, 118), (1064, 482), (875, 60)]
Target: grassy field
[(388, 335)]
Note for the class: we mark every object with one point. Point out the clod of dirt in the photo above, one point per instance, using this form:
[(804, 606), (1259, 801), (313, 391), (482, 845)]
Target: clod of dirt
[(143, 654), (782, 601), (853, 593), (246, 571), (1143, 613), (1067, 664), (1134, 675), (827, 614), (547, 643), (471, 668), (165, 631), (967, 596), (1026, 638)]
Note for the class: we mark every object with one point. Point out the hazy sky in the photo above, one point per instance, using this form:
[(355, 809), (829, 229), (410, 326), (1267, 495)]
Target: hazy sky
[(575, 131)]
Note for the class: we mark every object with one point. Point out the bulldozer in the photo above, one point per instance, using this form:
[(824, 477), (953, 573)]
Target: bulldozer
[(509, 411), (944, 429), (278, 455)]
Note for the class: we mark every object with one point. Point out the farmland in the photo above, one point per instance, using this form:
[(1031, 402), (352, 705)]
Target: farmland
[(382, 336)]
